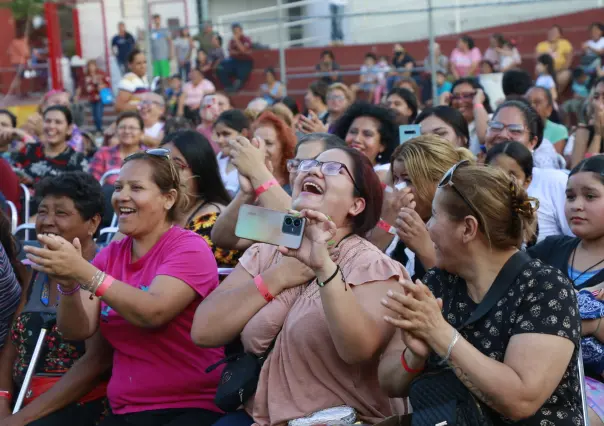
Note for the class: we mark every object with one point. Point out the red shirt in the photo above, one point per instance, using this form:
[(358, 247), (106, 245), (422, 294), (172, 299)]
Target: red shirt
[(92, 85), (9, 184), (234, 48)]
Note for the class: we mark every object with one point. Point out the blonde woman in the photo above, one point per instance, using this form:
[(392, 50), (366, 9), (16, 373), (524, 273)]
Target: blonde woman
[(417, 167), (339, 98)]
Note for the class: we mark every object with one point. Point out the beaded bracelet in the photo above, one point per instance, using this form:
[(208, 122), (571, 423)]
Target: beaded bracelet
[(68, 292)]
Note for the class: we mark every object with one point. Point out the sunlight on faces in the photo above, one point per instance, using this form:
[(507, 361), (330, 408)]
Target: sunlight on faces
[(508, 116), (273, 146), (55, 128), (463, 100), (222, 135), (399, 174), (337, 101), (58, 215), (584, 205), (364, 136), (337, 198), (129, 132), (5, 122), (433, 125), (512, 168), (445, 233), (137, 200), (306, 151), (398, 105)]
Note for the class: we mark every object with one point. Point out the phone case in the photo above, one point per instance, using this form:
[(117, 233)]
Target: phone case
[(408, 131), (269, 226)]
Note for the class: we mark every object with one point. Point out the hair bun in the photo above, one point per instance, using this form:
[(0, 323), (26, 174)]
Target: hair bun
[(522, 205)]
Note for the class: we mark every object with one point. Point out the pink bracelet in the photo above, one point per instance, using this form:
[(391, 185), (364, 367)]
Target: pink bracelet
[(265, 187), (262, 288), (104, 286), (382, 224), (67, 292)]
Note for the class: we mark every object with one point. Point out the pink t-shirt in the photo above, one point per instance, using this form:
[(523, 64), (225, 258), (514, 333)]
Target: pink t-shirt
[(160, 368), (462, 61), (194, 94), (209, 134)]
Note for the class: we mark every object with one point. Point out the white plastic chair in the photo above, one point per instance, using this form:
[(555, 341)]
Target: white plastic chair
[(14, 216), (26, 209), (108, 174), (25, 227), (582, 387)]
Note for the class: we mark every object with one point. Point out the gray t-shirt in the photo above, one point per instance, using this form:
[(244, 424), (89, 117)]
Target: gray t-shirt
[(160, 45), (182, 49)]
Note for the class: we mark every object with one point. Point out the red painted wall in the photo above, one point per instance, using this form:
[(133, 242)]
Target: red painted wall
[(8, 32)]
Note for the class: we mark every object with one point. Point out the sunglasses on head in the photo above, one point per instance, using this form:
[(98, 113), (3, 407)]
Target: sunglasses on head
[(447, 181), (161, 153)]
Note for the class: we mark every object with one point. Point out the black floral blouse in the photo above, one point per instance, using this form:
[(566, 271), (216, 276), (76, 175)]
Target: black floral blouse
[(541, 300), (202, 225)]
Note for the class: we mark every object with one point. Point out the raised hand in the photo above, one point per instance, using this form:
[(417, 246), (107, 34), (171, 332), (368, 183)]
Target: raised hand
[(318, 232), (58, 257)]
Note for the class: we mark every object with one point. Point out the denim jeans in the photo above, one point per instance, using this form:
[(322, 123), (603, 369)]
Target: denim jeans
[(97, 115), (231, 68), (183, 71), (336, 22)]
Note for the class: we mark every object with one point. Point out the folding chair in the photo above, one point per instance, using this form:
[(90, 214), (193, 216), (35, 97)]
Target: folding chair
[(582, 387), (26, 209), (108, 174), (14, 216)]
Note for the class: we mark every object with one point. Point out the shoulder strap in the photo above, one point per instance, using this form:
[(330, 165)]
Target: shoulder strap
[(500, 286)]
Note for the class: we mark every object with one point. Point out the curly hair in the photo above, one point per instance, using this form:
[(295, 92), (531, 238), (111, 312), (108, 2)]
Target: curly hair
[(82, 188), (388, 128)]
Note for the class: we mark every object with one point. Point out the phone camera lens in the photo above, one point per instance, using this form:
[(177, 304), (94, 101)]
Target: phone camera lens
[(288, 221), (297, 223)]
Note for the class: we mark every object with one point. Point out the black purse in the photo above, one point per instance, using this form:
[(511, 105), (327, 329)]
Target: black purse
[(438, 396), (239, 378)]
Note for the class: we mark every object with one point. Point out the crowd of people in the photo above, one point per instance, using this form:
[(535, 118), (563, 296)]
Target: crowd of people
[(430, 272)]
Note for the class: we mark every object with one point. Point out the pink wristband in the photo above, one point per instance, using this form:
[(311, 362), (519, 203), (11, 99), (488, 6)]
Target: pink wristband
[(265, 186), (262, 288), (382, 224), (104, 286)]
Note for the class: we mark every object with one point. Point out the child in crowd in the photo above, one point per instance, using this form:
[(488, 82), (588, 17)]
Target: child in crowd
[(173, 93), (544, 70), (369, 76), (580, 93), (486, 67), (383, 69), (508, 56), (442, 84)]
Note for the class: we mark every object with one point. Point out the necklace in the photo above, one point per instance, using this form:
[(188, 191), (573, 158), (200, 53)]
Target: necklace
[(572, 267)]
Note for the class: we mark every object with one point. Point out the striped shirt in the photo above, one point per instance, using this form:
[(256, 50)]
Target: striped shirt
[(10, 294)]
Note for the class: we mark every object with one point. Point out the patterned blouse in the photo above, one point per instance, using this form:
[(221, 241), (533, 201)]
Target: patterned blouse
[(92, 85), (202, 225), (37, 166), (105, 159), (541, 301)]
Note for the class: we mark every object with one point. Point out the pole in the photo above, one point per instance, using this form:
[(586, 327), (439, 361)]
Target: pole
[(55, 53), (282, 71), (147, 23), (432, 59), (205, 11), (457, 17)]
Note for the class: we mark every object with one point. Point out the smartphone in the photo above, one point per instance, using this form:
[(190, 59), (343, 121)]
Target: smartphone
[(269, 226), (408, 131)]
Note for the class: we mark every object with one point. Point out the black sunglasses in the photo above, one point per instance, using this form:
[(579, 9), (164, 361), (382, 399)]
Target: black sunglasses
[(447, 180), (161, 153)]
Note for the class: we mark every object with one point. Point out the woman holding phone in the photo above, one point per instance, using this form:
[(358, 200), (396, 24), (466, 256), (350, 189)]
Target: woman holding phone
[(332, 285)]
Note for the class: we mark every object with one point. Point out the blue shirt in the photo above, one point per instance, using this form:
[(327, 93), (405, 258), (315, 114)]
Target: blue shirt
[(444, 88), (580, 89), (124, 45)]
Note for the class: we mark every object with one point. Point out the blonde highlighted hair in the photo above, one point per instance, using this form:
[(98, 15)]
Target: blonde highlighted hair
[(344, 89), (426, 159)]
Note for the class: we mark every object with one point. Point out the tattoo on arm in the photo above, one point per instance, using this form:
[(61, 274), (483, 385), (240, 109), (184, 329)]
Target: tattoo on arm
[(463, 377)]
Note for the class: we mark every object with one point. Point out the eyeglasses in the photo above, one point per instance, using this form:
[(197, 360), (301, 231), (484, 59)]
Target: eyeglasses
[(515, 129), (292, 165), (161, 153), (130, 129), (336, 98), (328, 168), (460, 96), (447, 180)]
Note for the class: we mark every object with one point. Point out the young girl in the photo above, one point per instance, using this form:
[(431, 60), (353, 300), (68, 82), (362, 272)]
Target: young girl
[(581, 259), (229, 125), (517, 161), (544, 69)]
